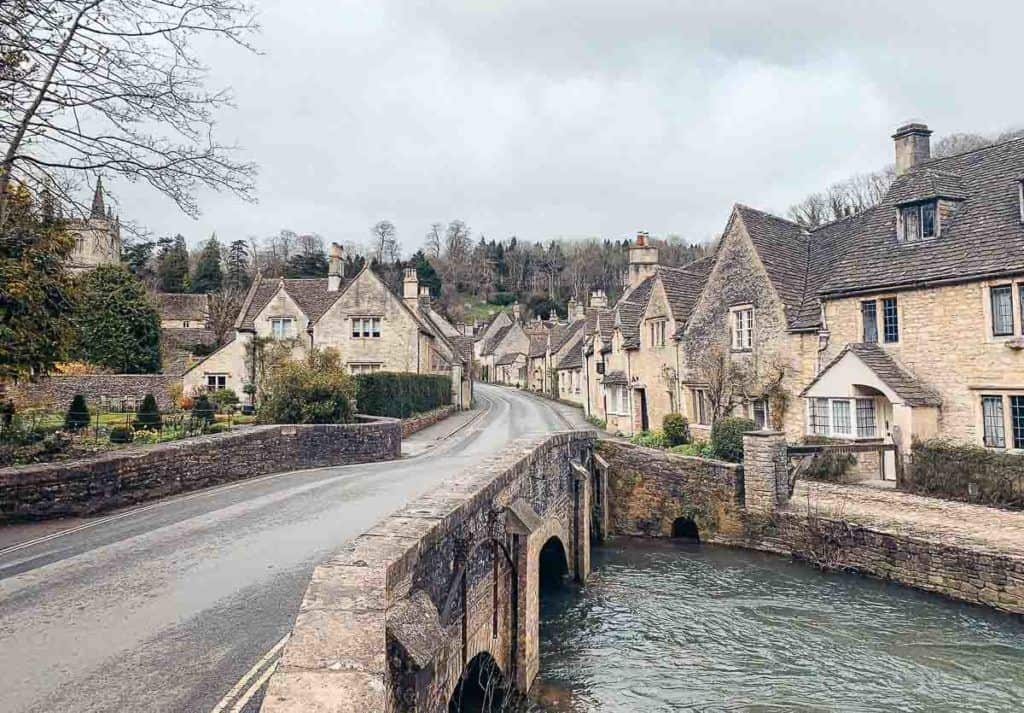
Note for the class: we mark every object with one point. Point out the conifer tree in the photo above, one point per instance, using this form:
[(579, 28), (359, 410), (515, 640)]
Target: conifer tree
[(148, 417), (77, 416), (172, 264), (208, 276)]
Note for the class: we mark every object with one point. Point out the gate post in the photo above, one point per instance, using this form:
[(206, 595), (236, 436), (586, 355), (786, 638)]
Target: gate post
[(765, 470), (581, 521)]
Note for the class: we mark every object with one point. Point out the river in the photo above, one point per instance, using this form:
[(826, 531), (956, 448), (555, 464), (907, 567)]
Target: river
[(665, 626)]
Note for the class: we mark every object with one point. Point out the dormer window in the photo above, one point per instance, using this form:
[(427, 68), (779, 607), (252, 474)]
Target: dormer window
[(918, 221)]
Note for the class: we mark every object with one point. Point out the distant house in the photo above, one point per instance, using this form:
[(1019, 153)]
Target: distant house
[(182, 310), (372, 328)]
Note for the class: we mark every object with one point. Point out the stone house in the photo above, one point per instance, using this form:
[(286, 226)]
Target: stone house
[(511, 369), (511, 338), (923, 329), (182, 310), (183, 329), (97, 237), (371, 327)]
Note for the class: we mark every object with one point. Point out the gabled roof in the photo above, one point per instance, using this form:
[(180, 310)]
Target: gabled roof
[(683, 286), (506, 359), (573, 358), (563, 333), (615, 378), (439, 322), (630, 311), (463, 346), (495, 339), (983, 238), (538, 345), (924, 184), (310, 294), (178, 305), (908, 387)]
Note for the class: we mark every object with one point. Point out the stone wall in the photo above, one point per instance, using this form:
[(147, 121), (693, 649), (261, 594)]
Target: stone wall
[(648, 489), (424, 420), (391, 622), (133, 475), (59, 390)]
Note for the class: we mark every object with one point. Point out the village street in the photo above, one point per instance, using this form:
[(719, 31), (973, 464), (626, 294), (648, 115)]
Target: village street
[(165, 607)]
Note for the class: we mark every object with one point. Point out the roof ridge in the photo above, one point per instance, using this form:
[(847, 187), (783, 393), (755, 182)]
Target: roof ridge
[(771, 215), (979, 149)]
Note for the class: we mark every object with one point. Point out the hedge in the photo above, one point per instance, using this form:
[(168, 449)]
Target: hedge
[(400, 395), (971, 473)]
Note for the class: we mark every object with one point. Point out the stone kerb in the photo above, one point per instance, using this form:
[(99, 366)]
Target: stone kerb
[(377, 606), (765, 480)]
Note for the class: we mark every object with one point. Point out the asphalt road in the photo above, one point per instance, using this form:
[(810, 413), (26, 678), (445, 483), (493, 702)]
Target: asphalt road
[(166, 607)]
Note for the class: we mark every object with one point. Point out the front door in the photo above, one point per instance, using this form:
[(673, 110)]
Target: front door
[(644, 422)]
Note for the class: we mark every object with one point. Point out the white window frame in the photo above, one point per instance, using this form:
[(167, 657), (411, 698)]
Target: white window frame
[(658, 332), (741, 322), (282, 327), (850, 403), (618, 400), (220, 382), (363, 367), (366, 327), (752, 413)]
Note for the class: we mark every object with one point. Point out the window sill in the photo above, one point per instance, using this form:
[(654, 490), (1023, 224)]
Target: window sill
[(742, 350)]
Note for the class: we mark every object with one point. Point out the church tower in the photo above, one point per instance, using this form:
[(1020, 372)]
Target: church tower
[(97, 238)]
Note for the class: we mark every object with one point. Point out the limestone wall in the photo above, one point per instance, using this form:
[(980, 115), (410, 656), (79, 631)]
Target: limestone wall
[(425, 420), (133, 475), (59, 390)]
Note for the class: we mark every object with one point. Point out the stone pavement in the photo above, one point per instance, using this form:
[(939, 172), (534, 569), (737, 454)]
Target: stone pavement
[(976, 527)]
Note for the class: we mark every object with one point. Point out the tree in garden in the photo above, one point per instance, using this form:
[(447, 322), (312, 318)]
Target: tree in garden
[(77, 416), (94, 85), (238, 264), (208, 276), (203, 410), (117, 326), (148, 418), (36, 292), (317, 389), (172, 264)]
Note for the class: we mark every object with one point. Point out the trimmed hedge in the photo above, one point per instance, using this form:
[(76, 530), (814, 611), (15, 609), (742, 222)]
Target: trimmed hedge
[(971, 473), (727, 437), (400, 395)]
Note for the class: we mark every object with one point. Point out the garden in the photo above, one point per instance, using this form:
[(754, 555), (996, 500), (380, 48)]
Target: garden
[(725, 443)]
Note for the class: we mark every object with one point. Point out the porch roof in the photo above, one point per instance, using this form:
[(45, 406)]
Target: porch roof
[(904, 385)]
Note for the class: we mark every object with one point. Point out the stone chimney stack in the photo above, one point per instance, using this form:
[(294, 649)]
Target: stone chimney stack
[(335, 269), (516, 315), (643, 260), (913, 146), (424, 297), (410, 287), (598, 299)]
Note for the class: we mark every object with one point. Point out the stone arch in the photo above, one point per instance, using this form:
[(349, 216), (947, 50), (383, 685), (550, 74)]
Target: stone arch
[(483, 687), (685, 528), (552, 563)]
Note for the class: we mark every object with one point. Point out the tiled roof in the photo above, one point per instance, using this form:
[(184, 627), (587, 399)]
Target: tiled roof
[(924, 184), (310, 294), (615, 378), (177, 305), (573, 358), (683, 286), (984, 237), (506, 359), (440, 323), (538, 345), (909, 388), (464, 346), (494, 340), (563, 333), (630, 311)]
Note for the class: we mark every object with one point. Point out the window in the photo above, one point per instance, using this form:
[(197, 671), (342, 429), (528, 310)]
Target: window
[(890, 320), (1017, 420), (841, 418), (992, 418), (742, 327), (658, 333), (759, 413), (362, 368), (819, 421), (869, 315), (216, 382), (282, 327), (365, 327), (865, 418), (618, 400), (918, 221), (184, 324), (1002, 310), (700, 407)]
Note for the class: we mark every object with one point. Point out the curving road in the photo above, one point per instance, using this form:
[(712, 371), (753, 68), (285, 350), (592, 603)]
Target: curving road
[(166, 606)]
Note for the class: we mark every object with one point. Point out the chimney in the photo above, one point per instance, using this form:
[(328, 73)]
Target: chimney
[(913, 146), (424, 298), (598, 299), (515, 312), (335, 269), (410, 287), (578, 311), (643, 260)]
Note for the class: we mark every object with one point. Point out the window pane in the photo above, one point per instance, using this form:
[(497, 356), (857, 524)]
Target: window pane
[(375, 326), (1002, 310), (819, 417), (865, 418), (890, 320), (911, 222), (869, 313), (992, 415), (1017, 420), (356, 328), (928, 220), (841, 417), (761, 413)]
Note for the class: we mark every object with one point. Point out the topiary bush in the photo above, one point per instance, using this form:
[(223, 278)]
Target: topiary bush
[(317, 389), (203, 410), (400, 395), (676, 429), (77, 416), (122, 434), (727, 438), (148, 418)]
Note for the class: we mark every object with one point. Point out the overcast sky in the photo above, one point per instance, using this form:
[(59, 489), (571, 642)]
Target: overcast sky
[(576, 118)]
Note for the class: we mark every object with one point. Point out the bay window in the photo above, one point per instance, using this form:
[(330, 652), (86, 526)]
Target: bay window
[(842, 418)]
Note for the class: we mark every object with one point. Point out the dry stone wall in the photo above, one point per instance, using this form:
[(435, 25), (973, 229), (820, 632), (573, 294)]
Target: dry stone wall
[(59, 390), (133, 475)]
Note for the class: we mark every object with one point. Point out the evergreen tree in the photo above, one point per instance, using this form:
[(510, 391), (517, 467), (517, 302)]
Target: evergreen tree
[(208, 276), (138, 256), (203, 409), (238, 276), (77, 416), (117, 326), (148, 418), (172, 264), (426, 273)]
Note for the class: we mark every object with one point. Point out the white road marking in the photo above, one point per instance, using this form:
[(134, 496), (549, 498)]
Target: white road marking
[(249, 675)]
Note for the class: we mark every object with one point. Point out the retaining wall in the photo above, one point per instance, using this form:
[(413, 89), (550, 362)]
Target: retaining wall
[(133, 475), (59, 390), (425, 420)]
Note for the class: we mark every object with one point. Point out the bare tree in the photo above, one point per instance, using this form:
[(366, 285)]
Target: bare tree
[(385, 241), (113, 86), (433, 241), (222, 311)]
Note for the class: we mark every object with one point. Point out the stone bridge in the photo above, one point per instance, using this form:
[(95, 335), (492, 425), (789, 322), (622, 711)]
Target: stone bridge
[(413, 613)]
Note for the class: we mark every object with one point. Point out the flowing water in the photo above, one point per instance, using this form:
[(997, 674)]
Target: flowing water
[(663, 626)]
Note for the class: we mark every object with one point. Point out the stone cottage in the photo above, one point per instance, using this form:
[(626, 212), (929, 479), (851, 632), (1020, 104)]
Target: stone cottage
[(371, 327)]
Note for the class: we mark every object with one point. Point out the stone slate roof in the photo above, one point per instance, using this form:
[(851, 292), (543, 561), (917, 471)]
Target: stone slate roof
[(176, 305), (506, 359), (495, 339), (926, 183), (615, 378), (310, 294), (463, 346), (630, 312), (683, 286), (984, 237), (573, 358), (909, 388), (563, 333), (439, 322), (538, 345)]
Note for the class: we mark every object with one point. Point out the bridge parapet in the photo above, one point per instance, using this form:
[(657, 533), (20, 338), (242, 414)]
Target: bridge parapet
[(391, 622)]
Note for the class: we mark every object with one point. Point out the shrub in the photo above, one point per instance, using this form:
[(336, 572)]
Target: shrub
[(401, 395), (502, 299), (148, 418), (224, 399), (676, 429), (595, 421), (960, 471), (203, 410), (78, 414), (649, 439), (218, 427), (314, 390), (727, 437), (122, 434), (699, 449), (829, 466)]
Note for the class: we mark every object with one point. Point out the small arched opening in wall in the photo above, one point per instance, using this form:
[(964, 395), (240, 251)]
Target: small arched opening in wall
[(685, 529), (483, 687), (553, 569)]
